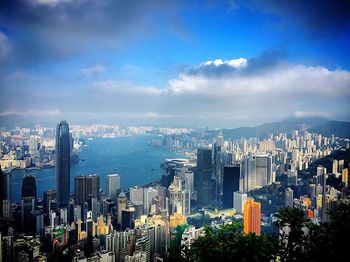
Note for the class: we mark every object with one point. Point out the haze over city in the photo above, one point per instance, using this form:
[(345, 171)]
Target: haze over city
[(201, 63)]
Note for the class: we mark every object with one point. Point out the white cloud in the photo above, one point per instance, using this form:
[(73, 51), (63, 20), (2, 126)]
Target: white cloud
[(286, 82), (49, 2), (124, 87), (302, 114), (93, 70), (33, 113), (235, 63)]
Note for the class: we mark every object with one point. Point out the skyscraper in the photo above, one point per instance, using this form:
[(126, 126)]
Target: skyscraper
[(218, 152), (239, 199), (121, 206), (6, 185), (263, 170), (230, 184), (29, 186), (288, 197), (251, 216), (112, 186), (62, 163), (93, 186), (202, 177), (248, 174), (79, 189)]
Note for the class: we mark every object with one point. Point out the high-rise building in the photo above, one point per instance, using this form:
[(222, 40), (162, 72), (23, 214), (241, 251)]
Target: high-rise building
[(264, 175), (218, 156), (136, 194), (93, 186), (345, 176), (79, 190), (27, 207), (230, 184), (122, 199), (251, 216), (6, 185), (239, 198), (292, 177), (29, 186), (62, 163), (33, 145), (112, 186), (148, 195), (49, 197), (335, 167), (321, 174), (248, 174), (202, 177), (340, 165), (288, 197)]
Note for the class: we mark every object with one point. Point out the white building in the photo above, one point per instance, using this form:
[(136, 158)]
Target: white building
[(112, 186), (239, 199)]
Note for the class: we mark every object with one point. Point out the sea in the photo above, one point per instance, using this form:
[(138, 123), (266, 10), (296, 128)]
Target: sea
[(137, 163)]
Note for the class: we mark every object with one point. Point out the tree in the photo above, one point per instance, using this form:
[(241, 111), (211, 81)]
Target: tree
[(292, 223)]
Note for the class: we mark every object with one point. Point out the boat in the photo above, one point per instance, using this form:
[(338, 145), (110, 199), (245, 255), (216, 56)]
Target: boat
[(115, 169)]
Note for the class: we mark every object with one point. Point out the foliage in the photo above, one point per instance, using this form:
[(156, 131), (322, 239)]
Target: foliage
[(300, 240)]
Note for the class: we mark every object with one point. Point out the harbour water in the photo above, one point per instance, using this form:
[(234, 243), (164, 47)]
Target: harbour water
[(136, 162)]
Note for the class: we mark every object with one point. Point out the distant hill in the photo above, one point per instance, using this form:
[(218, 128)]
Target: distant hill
[(13, 120), (327, 161), (284, 126), (338, 128)]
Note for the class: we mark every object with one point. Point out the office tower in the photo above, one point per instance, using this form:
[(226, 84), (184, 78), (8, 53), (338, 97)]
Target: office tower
[(329, 203), (148, 195), (170, 171), (121, 206), (29, 186), (263, 170), (345, 176), (6, 185), (202, 177), (49, 197), (62, 163), (136, 194), (340, 165), (27, 207), (112, 186), (248, 174), (93, 186), (239, 198), (288, 197), (128, 216), (138, 209), (80, 190), (143, 245), (335, 167), (230, 184), (33, 145), (218, 153), (292, 177), (251, 216), (321, 174), (189, 181)]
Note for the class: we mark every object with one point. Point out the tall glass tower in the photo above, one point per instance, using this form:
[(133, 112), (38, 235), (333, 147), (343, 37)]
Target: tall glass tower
[(62, 163)]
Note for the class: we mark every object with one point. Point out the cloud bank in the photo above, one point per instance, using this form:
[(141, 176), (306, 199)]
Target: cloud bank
[(217, 93)]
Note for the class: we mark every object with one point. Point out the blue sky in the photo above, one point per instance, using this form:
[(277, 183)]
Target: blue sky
[(146, 62)]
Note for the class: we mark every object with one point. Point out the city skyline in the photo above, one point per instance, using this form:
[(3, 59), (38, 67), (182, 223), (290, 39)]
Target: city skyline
[(220, 65)]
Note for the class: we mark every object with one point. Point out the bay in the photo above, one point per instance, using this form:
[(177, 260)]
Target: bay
[(137, 163)]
